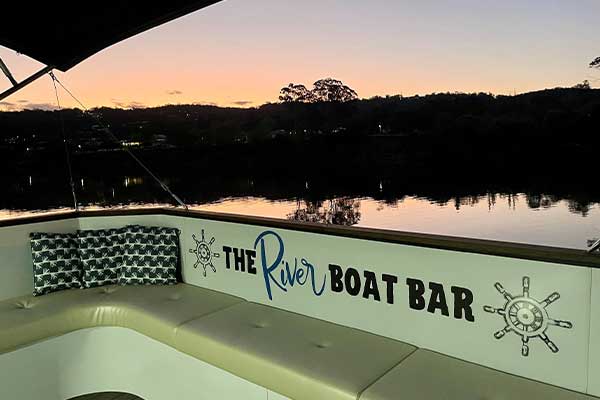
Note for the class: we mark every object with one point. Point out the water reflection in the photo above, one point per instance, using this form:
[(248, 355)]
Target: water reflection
[(535, 201), (510, 219), (326, 199), (579, 208), (557, 214), (133, 181), (342, 211)]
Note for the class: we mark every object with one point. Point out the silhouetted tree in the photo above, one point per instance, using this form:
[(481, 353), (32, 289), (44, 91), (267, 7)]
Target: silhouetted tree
[(324, 90), (333, 90), (296, 94), (583, 85)]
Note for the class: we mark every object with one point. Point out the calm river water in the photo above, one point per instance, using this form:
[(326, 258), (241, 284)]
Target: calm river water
[(515, 218), (509, 218)]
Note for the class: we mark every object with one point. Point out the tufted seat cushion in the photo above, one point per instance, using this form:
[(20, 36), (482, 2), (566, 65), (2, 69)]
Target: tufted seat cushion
[(299, 356), (154, 311), (27, 319), (428, 375), (302, 357)]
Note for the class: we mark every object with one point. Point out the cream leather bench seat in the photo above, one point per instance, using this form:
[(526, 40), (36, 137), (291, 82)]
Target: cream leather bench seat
[(431, 376), (154, 311), (297, 356), (300, 357)]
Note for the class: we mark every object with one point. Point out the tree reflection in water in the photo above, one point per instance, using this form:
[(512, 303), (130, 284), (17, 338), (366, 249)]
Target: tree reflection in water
[(341, 211)]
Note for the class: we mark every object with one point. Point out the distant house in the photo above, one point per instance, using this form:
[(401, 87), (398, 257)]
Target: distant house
[(241, 139), (159, 138), (279, 133), (128, 143)]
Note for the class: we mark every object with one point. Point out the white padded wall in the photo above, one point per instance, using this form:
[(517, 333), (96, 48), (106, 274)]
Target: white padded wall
[(115, 359), (276, 396)]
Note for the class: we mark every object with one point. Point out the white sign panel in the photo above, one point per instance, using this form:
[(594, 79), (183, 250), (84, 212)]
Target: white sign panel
[(594, 357), (524, 317)]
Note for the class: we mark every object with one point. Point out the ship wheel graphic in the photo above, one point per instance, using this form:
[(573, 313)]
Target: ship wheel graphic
[(204, 253), (527, 317)]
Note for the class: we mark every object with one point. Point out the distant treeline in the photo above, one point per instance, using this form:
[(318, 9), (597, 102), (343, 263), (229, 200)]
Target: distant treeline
[(545, 135), (539, 115)]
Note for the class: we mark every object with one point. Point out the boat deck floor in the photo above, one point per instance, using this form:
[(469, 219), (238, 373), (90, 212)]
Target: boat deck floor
[(107, 396)]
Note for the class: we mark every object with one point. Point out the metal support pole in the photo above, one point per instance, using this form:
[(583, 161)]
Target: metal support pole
[(25, 82), (6, 71)]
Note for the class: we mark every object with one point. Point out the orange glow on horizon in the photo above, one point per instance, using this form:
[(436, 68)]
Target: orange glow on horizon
[(235, 54)]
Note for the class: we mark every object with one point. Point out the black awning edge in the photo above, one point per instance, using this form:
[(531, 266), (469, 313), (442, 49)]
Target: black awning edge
[(62, 34)]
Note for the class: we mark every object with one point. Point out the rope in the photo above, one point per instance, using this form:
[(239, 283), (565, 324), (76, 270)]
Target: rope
[(66, 144), (116, 139)]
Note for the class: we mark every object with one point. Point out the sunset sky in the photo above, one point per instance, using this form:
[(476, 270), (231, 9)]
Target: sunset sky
[(241, 52)]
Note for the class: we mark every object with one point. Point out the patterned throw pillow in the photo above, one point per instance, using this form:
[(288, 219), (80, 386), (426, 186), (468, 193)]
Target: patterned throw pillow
[(151, 256), (101, 253), (56, 264)]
